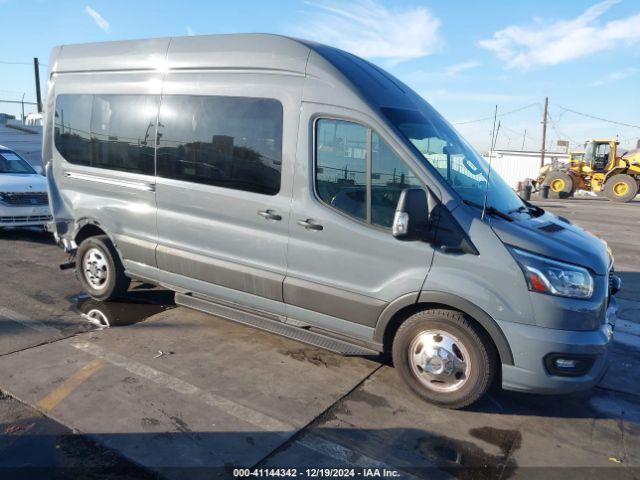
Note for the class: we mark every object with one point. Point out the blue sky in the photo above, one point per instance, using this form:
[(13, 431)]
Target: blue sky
[(462, 56)]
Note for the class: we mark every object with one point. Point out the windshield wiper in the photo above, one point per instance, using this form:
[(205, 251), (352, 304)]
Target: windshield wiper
[(490, 210), (534, 210), (521, 208)]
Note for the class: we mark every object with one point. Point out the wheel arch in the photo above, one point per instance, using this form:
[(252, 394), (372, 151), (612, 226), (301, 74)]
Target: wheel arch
[(403, 307), (88, 227)]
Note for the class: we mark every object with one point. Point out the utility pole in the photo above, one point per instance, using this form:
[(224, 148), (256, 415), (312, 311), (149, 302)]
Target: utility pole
[(524, 137), (22, 103), (36, 71), (544, 130)]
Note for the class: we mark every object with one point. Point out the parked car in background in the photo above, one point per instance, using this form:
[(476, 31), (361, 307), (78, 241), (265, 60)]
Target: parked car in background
[(23, 192)]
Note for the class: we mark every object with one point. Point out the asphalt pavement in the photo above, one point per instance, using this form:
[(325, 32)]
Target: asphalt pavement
[(167, 392)]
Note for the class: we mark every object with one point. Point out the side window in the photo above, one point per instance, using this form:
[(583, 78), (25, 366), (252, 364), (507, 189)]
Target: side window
[(389, 176), (114, 132), (344, 158), (122, 131), (72, 126), (341, 166), (231, 142)]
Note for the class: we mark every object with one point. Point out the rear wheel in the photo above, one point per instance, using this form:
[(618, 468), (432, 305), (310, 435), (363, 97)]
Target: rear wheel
[(99, 269), (561, 184), (621, 188), (444, 358)]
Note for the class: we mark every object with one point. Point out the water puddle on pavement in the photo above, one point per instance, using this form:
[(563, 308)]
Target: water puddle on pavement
[(467, 461), (118, 313)]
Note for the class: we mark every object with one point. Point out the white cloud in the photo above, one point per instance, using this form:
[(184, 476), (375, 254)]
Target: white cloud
[(369, 29), (552, 43), (615, 76), (456, 68), (190, 31), (99, 19)]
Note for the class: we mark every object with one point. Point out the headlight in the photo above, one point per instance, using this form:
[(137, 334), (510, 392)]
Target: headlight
[(544, 275)]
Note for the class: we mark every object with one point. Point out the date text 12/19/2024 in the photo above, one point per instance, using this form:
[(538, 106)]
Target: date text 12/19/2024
[(316, 473)]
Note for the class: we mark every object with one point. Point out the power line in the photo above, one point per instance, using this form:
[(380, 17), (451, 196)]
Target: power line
[(598, 118), (484, 119), (18, 102), (3, 62)]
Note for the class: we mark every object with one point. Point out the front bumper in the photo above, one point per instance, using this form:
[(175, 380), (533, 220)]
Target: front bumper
[(531, 344), (11, 216)]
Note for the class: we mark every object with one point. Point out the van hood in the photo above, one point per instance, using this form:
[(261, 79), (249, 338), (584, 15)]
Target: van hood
[(555, 237), (22, 182)]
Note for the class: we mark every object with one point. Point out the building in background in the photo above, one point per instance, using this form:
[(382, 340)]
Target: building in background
[(517, 165), (26, 140)]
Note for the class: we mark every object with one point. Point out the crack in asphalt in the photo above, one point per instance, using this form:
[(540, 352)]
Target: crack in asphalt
[(315, 421)]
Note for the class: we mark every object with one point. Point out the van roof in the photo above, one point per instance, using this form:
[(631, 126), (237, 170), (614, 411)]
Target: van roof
[(252, 51)]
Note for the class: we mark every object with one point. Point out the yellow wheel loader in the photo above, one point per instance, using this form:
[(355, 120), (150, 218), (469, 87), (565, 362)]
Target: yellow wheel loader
[(601, 169)]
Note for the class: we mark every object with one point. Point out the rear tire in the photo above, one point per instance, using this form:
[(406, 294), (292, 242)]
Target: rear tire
[(561, 184), (621, 188), (444, 358), (99, 269)]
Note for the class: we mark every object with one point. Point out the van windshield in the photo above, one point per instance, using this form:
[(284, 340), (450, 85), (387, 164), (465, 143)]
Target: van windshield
[(456, 162), (12, 163)]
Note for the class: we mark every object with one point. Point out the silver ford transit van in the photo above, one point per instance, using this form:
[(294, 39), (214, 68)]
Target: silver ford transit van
[(299, 189)]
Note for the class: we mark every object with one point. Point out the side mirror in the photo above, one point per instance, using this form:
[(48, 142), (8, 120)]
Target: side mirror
[(411, 219), (38, 169)]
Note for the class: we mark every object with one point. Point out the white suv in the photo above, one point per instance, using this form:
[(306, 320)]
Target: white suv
[(23, 192)]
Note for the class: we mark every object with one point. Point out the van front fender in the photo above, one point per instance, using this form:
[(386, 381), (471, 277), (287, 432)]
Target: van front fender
[(443, 299)]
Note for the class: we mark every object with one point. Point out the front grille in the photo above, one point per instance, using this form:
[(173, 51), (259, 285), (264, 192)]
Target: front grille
[(25, 218), (22, 199)]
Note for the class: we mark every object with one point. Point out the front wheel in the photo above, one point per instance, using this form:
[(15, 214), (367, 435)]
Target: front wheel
[(444, 358), (621, 188), (561, 184), (100, 270)]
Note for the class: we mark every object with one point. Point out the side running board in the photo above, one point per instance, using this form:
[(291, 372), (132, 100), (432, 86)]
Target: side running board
[(273, 326)]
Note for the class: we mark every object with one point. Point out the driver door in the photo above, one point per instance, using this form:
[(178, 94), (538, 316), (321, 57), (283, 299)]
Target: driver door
[(344, 266)]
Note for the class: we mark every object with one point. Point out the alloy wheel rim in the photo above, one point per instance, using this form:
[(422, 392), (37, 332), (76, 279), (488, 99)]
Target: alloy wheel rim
[(439, 360), (95, 268)]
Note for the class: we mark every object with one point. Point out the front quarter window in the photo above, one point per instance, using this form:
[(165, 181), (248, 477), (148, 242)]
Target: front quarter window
[(454, 160)]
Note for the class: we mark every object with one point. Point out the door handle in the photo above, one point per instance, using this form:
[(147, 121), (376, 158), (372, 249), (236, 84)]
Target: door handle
[(269, 215), (310, 224)]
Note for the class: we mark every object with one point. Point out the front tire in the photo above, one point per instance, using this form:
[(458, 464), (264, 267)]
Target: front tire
[(444, 358), (621, 188), (561, 184), (99, 269)]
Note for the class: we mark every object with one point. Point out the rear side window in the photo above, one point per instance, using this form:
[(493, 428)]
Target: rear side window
[(357, 173), (114, 132), (122, 132), (231, 142), (72, 127)]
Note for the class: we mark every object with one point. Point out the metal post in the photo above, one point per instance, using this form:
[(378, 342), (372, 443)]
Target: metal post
[(524, 137), (22, 102), (36, 71), (544, 130)]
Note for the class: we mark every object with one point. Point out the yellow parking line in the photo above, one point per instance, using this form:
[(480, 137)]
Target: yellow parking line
[(50, 402)]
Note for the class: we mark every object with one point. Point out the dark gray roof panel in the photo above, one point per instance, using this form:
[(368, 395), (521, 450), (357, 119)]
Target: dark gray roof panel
[(375, 85)]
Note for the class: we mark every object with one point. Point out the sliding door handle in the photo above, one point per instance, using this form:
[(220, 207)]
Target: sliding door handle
[(270, 215), (310, 224)]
